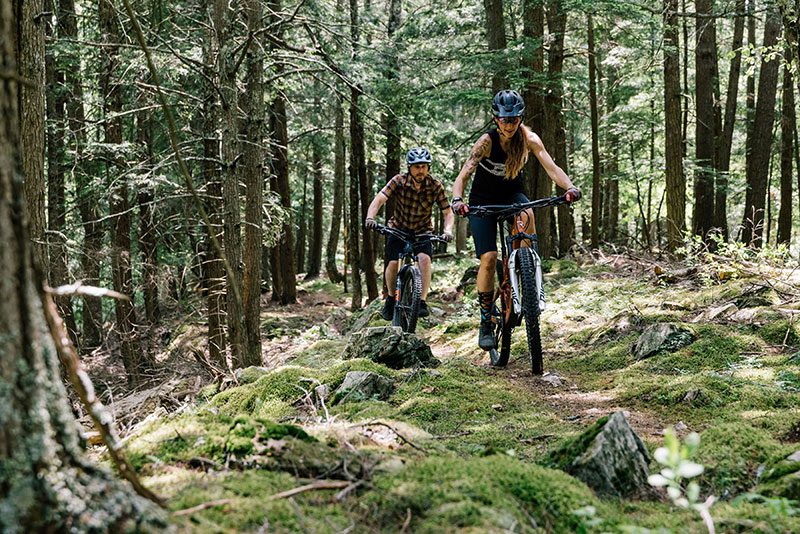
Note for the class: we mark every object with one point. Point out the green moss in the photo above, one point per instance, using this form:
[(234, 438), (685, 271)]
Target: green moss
[(731, 454), (482, 494), (321, 353), (282, 384), (609, 357), (563, 456), (715, 349), (779, 332)]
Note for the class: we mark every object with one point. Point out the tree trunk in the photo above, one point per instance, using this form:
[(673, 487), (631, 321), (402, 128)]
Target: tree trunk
[(86, 195), (288, 294), (56, 190), (45, 471), (391, 122), (595, 136), (675, 184), (726, 140), (496, 36), (148, 237), (787, 153), (554, 102), (253, 167), (538, 184), (214, 267), (356, 162), (705, 124), (759, 142), (338, 197), (30, 52), (315, 251), (222, 20), (368, 250), (611, 194), (133, 358), (302, 228), (750, 103)]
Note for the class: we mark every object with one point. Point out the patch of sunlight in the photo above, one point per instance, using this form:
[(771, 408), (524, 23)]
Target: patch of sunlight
[(171, 479), (763, 373), (755, 414), (164, 430)]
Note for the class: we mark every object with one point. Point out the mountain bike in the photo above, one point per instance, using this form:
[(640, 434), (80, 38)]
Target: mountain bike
[(519, 272), (408, 292)]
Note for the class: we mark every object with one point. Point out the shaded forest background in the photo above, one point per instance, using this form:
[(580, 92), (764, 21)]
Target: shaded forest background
[(181, 148)]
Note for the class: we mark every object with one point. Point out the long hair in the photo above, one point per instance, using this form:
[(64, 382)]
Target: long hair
[(517, 153)]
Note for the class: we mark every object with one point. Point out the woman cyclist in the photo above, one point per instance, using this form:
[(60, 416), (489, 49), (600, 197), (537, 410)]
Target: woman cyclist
[(497, 159)]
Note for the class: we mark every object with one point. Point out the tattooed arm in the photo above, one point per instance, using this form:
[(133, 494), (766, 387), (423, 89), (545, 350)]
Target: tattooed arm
[(481, 149)]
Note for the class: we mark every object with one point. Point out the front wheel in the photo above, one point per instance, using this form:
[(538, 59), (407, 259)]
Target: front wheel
[(526, 270), (406, 309)]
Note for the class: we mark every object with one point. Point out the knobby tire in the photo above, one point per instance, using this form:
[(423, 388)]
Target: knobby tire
[(530, 307), (406, 309)]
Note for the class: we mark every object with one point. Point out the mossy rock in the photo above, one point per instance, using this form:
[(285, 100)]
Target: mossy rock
[(732, 454), (283, 384), (782, 478), (714, 350), (662, 337), (490, 494), (779, 333)]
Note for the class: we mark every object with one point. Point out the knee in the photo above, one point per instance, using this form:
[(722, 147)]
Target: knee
[(391, 266), (489, 260), (424, 260)]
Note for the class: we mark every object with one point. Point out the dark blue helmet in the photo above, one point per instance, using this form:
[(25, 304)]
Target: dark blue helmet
[(508, 103), (418, 155)]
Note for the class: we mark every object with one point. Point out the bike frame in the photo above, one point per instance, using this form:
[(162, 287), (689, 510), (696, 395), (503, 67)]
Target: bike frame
[(511, 239)]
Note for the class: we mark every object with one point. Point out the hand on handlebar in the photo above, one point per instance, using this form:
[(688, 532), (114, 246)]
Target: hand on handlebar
[(447, 237), (459, 207), (370, 223), (572, 194)]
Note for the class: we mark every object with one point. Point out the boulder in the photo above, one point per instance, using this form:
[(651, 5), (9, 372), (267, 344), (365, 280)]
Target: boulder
[(609, 457), (661, 337), (390, 346), (717, 313), (361, 385), (363, 318)]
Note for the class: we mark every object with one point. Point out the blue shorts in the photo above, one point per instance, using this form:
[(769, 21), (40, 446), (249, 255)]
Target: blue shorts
[(484, 229)]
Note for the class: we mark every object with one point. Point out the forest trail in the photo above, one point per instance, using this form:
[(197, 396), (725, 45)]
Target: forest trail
[(448, 433)]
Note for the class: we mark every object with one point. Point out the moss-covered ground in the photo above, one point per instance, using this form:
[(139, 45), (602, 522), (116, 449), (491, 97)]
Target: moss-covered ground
[(468, 448)]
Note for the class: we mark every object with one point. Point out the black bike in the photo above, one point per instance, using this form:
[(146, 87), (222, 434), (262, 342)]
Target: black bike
[(408, 292), (519, 273)]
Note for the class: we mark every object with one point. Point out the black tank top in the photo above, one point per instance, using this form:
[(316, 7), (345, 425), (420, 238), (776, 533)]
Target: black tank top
[(490, 185)]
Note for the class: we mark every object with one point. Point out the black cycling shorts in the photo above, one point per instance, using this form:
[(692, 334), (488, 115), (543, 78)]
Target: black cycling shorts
[(484, 229), (394, 246)]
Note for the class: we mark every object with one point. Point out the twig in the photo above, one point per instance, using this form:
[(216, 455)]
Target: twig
[(83, 386), (398, 434), (407, 522), (319, 485), (200, 507), (342, 495)]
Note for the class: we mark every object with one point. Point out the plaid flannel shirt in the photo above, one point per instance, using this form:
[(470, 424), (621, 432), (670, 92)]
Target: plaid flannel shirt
[(412, 209)]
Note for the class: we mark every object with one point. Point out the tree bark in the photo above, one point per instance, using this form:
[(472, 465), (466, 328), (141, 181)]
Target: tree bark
[(496, 37), (356, 162), (302, 228), (554, 104), (705, 124), (595, 136), (675, 184), (315, 250), (338, 197), (391, 122), (86, 192), (787, 155), (30, 52), (148, 236), (538, 184), (134, 359), (45, 471), (56, 190), (214, 268), (368, 249), (286, 266), (759, 142), (253, 167), (222, 20), (726, 139)]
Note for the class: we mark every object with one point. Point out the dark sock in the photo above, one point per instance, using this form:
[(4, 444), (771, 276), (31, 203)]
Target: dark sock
[(486, 299)]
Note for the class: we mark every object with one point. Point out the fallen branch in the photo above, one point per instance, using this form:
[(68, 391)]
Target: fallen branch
[(201, 507), (80, 380), (396, 433), (319, 485)]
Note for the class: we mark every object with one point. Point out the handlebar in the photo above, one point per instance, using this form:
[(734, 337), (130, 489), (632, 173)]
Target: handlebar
[(408, 236), (510, 209)]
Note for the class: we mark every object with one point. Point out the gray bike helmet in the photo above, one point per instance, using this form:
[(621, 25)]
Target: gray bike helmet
[(508, 103), (418, 155)]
